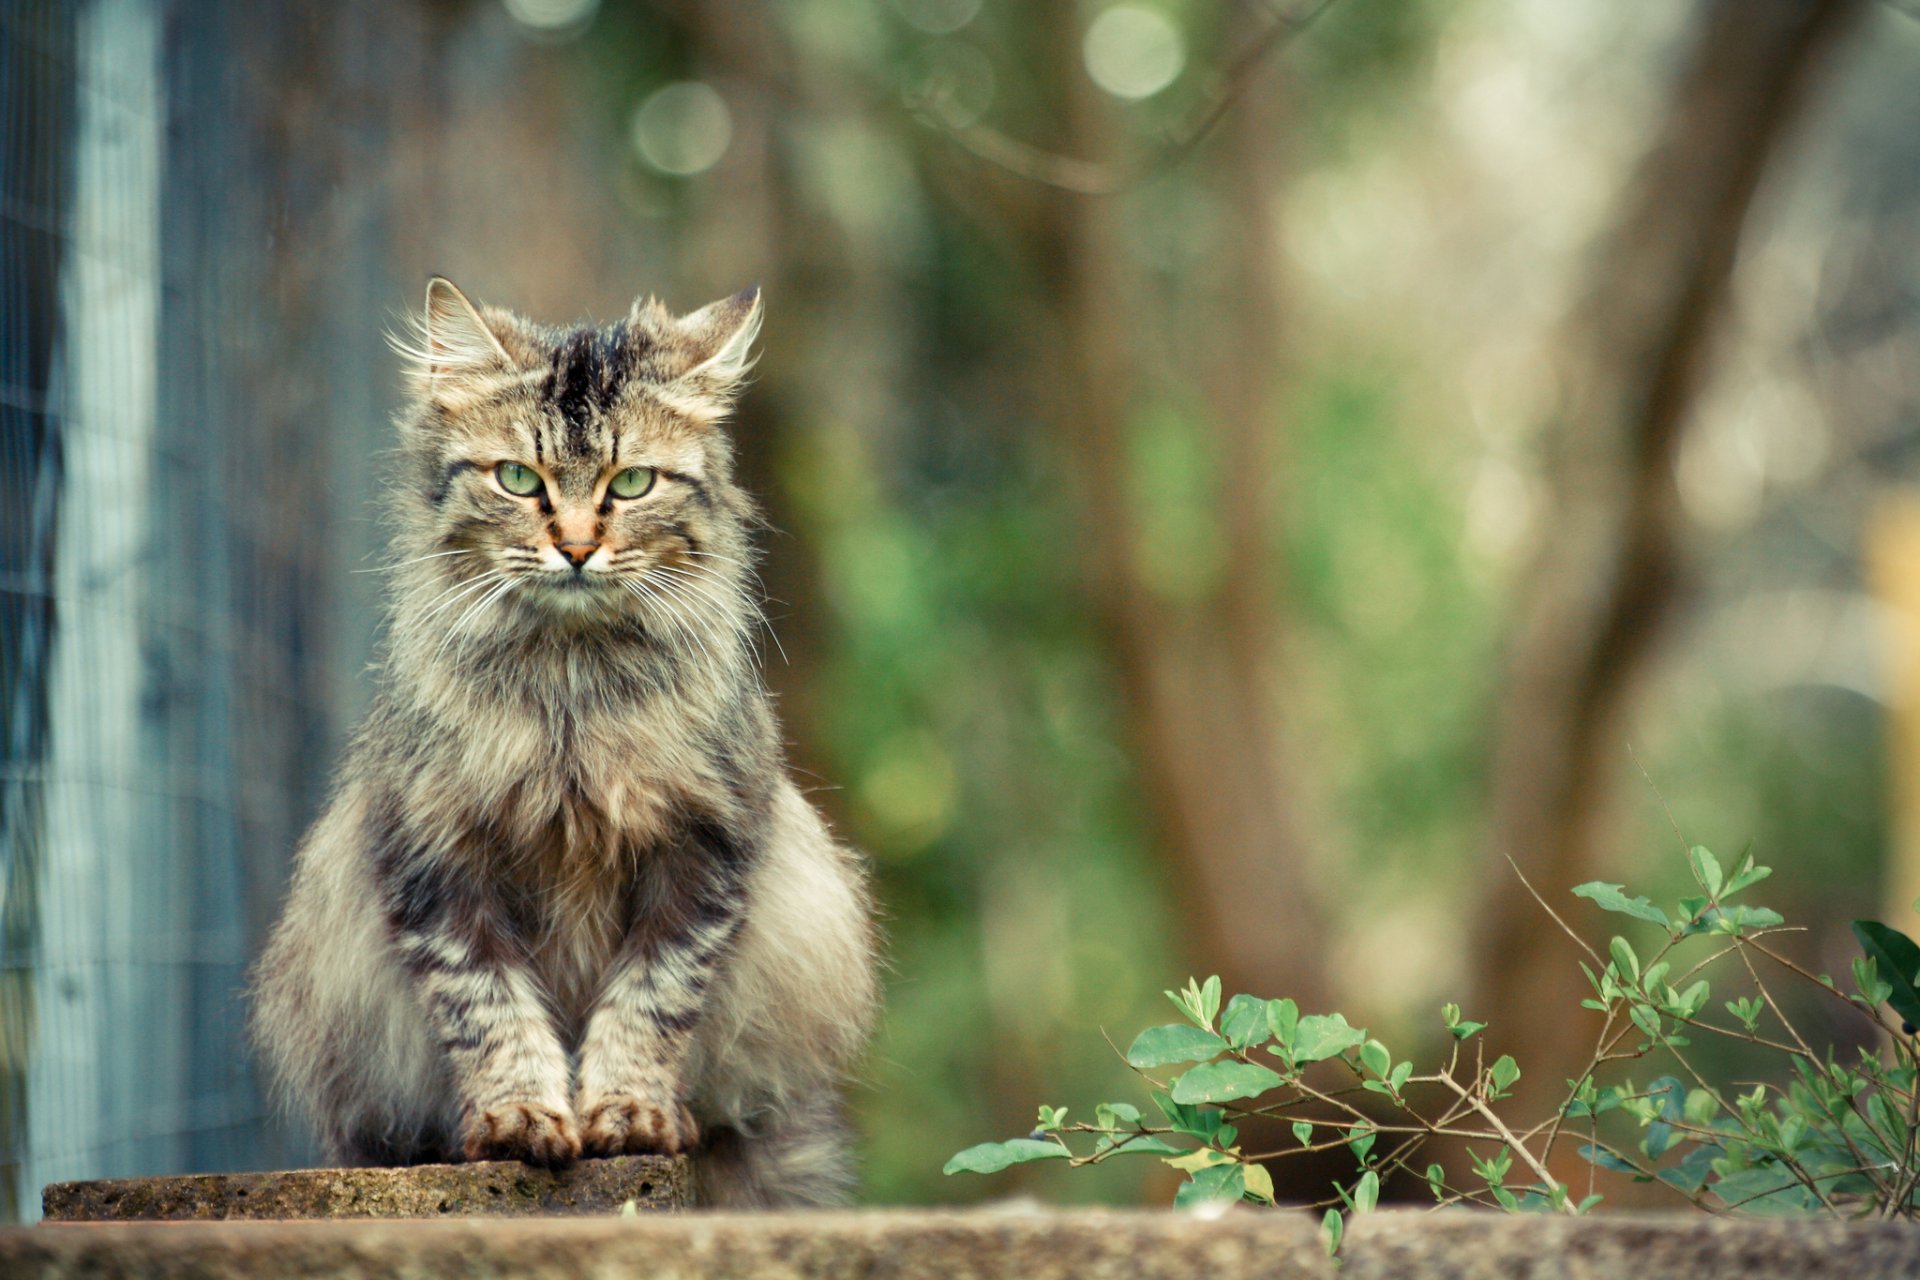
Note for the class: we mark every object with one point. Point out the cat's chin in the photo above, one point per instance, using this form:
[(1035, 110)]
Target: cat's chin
[(576, 598)]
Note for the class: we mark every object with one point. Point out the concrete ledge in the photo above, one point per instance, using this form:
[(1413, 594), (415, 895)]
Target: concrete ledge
[(1029, 1243), (503, 1189)]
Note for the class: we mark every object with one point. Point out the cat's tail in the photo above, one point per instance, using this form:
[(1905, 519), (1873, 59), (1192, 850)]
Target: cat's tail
[(800, 1158)]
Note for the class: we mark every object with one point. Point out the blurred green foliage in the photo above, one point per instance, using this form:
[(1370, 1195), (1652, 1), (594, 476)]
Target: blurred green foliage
[(961, 705)]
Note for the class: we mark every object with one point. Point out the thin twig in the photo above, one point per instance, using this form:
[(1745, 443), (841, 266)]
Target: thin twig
[(1513, 1144), (1105, 178)]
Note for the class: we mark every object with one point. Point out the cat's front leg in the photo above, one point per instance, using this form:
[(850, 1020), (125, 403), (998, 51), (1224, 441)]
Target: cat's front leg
[(484, 1006), (632, 1095)]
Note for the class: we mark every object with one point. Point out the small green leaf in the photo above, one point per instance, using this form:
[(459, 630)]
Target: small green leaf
[(1366, 1192), (1320, 1037), (1706, 869), (1331, 1227), (1624, 961), (1051, 1118), (1245, 1024), (1204, 1123), (1898, 962), (1303, 1132), (1204, 1158), (1401, 1072), (1223, 1082), (992, 1157), (1375, 1058), (1361, 1144), (1225, 1182), (1210, 999), (1607, 1160), (1608, 897), (1259, 1182), (1437, 1181), (1111, 1115), (1735, 920), (1145, 1144), (1745, 878), (1283, 1016), (1654, 977), (1671, 1097), (1503, 1073), (1175, 1042)]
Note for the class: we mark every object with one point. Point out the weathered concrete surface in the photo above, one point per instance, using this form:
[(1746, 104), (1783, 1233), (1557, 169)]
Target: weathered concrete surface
[(960, 1245), (502, 1189), (1483, 1246)]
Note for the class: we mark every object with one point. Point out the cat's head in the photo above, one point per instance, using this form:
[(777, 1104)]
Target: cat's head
[(581, 473)]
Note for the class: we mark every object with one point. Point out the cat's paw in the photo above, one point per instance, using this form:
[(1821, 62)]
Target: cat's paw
[(527, 1131), (617, 1124)]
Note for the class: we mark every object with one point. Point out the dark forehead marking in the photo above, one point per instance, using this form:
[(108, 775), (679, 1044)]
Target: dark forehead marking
[(588, 367)]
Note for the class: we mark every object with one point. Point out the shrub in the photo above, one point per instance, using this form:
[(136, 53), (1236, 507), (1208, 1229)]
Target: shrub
[(1837, 1137)]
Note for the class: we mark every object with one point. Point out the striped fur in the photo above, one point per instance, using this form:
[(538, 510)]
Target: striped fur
[(564, 899)]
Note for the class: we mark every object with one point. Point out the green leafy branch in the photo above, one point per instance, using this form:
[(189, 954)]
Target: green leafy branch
[(1836, 1137)]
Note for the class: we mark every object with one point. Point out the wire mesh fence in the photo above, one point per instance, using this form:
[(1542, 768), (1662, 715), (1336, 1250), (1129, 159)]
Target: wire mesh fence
[(195, 216)]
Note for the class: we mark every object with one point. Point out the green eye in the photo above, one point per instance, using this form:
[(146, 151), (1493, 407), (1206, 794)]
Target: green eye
[(518, 479), (631, 483)]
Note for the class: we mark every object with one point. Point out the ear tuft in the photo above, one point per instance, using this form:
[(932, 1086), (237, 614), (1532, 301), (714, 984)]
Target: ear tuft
[(450, 338), (717, 340)]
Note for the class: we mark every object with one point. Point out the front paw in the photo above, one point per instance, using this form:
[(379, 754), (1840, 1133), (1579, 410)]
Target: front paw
[(528, 1131), (618, 1124)]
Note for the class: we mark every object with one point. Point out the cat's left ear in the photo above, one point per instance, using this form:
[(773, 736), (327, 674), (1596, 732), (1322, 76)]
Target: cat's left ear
[(715, 343)]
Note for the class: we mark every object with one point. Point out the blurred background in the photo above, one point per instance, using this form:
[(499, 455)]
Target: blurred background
[(1241, 472)]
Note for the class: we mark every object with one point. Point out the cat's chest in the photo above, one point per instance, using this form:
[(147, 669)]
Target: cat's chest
[(583, 778)]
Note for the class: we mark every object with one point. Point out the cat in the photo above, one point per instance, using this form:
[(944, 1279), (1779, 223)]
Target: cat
[(564, 899)]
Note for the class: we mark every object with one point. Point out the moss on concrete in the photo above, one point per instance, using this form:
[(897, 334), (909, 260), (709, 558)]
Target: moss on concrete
[(503, 1189)]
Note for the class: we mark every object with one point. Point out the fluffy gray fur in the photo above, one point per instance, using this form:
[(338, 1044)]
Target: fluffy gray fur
[(564, 898)]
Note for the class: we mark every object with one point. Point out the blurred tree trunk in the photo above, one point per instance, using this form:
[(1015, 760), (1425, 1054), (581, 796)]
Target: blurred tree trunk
[(1199, 676), (1609, 572)]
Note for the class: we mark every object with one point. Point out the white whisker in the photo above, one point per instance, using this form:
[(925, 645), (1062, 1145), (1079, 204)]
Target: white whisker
[(459, 629), (648, 591), (389, 568), (758, 614), (465, 589)]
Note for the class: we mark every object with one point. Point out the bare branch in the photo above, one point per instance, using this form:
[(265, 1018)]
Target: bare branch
[(1106, 178)]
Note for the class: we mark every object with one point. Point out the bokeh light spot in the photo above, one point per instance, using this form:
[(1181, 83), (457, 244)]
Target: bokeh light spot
[(553, 17), (937, 17), (683, 128), (1133, 51)]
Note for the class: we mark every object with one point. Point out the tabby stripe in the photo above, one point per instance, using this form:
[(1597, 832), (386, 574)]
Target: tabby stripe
[(438, 496)]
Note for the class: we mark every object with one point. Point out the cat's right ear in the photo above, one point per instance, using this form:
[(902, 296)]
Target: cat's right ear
[(451, 343)]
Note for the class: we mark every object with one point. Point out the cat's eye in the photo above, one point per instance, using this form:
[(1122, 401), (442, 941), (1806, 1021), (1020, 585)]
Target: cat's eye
[(634, 482), (518, 479)]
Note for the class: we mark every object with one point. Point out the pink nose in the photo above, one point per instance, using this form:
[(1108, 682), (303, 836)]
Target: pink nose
[(577, 552)]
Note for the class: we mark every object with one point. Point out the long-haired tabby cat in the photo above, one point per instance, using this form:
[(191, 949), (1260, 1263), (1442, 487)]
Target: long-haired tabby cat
[(564, 899)]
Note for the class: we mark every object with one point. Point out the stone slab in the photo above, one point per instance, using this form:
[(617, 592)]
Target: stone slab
[(1018, 1241), (1695, 1246), (487, 1189)]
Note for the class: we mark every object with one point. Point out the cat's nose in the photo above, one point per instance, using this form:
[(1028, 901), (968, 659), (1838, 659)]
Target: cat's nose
[(576, 552)]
